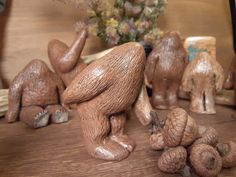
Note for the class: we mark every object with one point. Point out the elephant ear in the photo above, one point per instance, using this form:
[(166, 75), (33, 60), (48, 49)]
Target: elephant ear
[(219, 76)]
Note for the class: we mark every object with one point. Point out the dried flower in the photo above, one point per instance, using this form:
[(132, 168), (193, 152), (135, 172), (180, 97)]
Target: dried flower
[(124, 28), (111, 31), (93, 29), (112, 23), (120, 21)]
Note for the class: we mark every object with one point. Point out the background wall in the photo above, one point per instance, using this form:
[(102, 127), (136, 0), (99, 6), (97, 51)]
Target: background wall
[(27, 26)]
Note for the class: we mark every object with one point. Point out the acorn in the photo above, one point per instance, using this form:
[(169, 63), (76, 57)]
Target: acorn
[(173, 160), (156, 141), (207, 136), (228, 153), (205, 160), (179, 129)]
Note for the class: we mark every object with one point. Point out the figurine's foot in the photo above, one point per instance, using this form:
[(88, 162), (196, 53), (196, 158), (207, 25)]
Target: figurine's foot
[(109, 150), (41, 119), (60, 116), (124, 141), (203, 111), (58, 113), (158, 102), (174, 106), (160, 106)]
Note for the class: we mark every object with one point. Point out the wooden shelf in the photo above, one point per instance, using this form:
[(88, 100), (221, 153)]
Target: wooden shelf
[(58, 150)]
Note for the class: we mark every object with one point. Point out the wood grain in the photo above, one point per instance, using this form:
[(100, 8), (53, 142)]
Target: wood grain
[(58, 150)]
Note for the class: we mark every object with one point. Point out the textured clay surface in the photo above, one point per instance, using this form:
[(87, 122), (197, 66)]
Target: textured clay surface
[(209, 136), (205, 160), (173, 160), (164, 70), (202, 78), (230, 81), (228, 153), (156, 141), (103, 91), (66, 60), (34, 96), (179, 129)]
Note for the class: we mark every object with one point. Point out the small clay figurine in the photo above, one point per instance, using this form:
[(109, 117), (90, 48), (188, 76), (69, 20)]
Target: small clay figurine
[(230, 81), (66, 60), (103, 91), (164, 70), (202, 77), (34, 96)]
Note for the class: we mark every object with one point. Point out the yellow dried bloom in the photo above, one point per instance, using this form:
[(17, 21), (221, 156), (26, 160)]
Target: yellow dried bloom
[(112, 22)]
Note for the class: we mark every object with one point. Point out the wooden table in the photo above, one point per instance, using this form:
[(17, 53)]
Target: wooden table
[(58, 150)]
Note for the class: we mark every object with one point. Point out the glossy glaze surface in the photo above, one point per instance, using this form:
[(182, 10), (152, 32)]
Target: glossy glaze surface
[(164, 70), (104, 91), (202, 78), (66, 60), (34, 96)]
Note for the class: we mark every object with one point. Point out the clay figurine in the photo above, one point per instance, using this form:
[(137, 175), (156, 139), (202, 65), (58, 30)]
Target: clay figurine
[(164, 70), (202, 78), (103, 92), (230, 81), (66, 60), (34, 96)]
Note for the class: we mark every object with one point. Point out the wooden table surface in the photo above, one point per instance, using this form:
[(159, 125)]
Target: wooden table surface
[(58, 150)]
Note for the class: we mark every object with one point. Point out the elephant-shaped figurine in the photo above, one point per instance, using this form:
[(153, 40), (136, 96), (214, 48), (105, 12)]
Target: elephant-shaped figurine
[(230, 81), (66, 60), (164, 70), (202, 78), (35, 96), (103, 92)]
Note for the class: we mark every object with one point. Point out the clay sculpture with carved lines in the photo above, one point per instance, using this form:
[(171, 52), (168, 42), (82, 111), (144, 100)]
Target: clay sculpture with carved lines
[(34, 96), (164, 70), (230, 81), (202, 78), (66, 60), (103, 92)]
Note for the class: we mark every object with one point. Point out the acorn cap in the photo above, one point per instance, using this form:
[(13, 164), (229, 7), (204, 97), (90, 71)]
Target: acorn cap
[(156, 141), (173, 160), (205, 160), (228, 153), (179, 129), (209, 136)]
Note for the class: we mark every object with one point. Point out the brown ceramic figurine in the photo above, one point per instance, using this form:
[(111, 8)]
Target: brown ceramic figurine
[(202, 78), (164, 70), (103, 91), (230, 78), (34, 96), (66, 60), (230, 81)]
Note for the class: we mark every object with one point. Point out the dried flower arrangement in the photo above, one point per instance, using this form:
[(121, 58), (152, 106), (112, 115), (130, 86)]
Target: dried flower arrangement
[(120, 21)]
